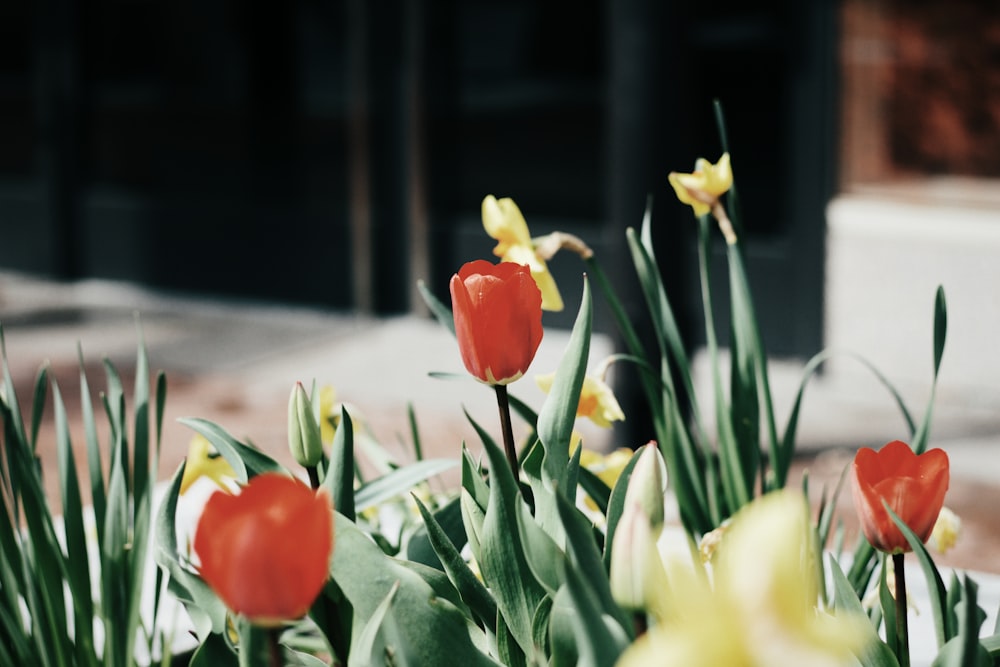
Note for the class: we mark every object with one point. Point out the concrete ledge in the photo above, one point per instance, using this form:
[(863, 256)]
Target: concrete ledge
[(887, 252)]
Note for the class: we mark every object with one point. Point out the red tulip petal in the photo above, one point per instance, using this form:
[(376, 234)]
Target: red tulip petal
[(498, 319), (913, 486), (266, 551)]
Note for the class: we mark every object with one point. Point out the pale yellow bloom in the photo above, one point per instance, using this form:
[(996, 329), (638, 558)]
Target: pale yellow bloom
[(760, 607), (504, 222), (637, 577), (946, 531), (597, 400), (702, 188), (204, 461), (709, 544)]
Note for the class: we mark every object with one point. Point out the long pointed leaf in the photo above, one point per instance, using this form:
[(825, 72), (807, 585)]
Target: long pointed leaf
[(558, 413), (339, 479)]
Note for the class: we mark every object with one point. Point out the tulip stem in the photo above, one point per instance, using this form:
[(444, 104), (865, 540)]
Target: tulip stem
[(902, 632), (503, 403), (274, 647)]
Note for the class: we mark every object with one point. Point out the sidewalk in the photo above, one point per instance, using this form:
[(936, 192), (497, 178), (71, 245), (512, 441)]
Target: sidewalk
[(235, 363)]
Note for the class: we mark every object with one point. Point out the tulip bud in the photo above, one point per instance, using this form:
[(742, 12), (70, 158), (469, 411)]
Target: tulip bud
[(304, 439), (637, 576), (646, 485)]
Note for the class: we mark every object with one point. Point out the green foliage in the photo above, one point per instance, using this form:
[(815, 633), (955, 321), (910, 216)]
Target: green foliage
[(83, 572)]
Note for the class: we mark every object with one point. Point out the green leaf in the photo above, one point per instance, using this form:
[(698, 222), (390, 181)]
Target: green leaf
[(472, 478), (502, 560), (399, 481), (964, 649), (448, 518), (875, 652), (468, 586), (585, 557), (77, 560), (599, 642), (616, 505), (38, 404), (541, 552), (246, 461), (935, 585), (441, 312), (558, 413), (339, 479), (206, 610), (378, 642), (94, 464), (922, 435), (596, 489), (214, 651), (430, 628)]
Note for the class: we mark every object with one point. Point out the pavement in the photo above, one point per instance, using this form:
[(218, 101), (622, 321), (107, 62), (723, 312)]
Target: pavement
[(235, 362)]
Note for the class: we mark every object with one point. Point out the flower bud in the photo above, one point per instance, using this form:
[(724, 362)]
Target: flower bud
[(646, 485), (304, 439), (637, 576)]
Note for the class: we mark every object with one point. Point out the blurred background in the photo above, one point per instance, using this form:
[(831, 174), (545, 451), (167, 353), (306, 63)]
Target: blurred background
[(322, 156)]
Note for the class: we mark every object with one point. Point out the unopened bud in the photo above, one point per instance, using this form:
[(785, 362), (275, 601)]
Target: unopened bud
[(646, 485), (304, 439), (637, 576)]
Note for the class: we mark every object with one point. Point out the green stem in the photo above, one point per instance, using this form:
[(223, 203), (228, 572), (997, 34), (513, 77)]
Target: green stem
[(902, 632), (274, 648), (313, 477), (503, 403), (640, 623)]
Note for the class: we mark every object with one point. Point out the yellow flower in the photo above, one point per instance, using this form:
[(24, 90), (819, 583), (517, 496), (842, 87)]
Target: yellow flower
[(329, 415), (597, 401), (204, 461), (760, 609), (702, 188), (607, 467), (946, 530), (503, 221)]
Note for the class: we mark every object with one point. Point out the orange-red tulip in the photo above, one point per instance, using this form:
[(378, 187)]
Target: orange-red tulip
[(266, 551), (498, 319), (913, 486)]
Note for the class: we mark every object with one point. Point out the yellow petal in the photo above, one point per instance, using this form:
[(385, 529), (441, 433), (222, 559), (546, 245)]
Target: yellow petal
[(705, 184), (327, 414), (525, 254), (598, 403), (503, 221), (204, 461)]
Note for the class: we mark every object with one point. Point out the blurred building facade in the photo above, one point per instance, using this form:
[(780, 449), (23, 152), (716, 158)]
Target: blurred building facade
[(335, 152)]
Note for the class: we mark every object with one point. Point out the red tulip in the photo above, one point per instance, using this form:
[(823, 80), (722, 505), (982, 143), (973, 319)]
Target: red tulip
[(498, 319), (913, 486), (266, 551)]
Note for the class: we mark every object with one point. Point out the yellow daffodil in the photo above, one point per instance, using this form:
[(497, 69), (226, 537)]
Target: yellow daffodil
[(504, 222), (946, 531), (760, 606), (607, 467), (329, 415), (204, 461), (702, 188), (597, 401)]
